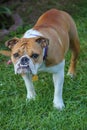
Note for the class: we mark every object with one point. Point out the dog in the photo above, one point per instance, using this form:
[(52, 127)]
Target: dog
[(43, 48)]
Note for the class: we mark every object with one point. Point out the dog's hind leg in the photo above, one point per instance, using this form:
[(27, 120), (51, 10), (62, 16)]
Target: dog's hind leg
[(75, 48)]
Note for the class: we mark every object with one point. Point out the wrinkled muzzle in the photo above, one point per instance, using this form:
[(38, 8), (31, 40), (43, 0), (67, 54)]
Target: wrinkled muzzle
[(25, 65)]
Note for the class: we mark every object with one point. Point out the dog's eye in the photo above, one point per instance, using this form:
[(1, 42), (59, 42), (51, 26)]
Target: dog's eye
[(34, 56), (16, 55)]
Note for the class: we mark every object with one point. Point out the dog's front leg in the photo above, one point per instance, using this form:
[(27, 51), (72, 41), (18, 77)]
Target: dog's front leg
[(58, 79), (29, 86)]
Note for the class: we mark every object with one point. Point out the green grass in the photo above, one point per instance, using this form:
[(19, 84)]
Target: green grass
[(17, 114)]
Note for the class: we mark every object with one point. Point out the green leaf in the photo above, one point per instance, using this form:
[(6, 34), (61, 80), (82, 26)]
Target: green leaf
[(4, 10)]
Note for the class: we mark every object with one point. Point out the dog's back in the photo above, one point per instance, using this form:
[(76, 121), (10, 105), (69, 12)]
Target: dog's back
[(62, 23)]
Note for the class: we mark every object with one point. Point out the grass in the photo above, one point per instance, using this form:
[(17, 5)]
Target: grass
[(17, 114)]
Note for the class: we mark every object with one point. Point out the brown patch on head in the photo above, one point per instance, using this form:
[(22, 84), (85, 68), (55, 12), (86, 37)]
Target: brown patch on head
[(27, 46)]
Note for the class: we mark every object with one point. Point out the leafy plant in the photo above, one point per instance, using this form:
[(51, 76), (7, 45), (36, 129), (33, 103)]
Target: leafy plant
[(5, 17), (5, 10)]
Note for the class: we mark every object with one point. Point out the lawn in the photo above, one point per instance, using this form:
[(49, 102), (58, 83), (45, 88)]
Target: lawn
[(17, 114)]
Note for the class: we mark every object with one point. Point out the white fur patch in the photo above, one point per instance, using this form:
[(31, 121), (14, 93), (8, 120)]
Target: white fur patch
[(53, 69), (60, 40), (32, 33)]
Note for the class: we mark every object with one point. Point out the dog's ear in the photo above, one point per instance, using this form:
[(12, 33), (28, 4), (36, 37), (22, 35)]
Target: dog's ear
[(42, 41), (11, 43)]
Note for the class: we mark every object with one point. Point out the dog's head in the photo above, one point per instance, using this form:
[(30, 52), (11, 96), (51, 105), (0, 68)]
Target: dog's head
[(27, 53)]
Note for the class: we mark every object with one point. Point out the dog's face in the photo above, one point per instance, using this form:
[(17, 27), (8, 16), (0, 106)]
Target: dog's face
[(27, 53)]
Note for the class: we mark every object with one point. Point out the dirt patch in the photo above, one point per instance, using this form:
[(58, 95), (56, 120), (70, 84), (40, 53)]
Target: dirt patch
[(30, 10), (27, 9)]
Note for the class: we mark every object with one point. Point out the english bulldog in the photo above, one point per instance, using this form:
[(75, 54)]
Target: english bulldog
[(43, 48)]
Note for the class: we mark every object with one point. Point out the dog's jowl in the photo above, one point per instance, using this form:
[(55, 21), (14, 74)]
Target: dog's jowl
[(43, 48)]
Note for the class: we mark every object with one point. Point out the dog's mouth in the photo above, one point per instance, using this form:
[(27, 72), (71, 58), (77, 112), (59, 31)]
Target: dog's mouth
[(23, 69)]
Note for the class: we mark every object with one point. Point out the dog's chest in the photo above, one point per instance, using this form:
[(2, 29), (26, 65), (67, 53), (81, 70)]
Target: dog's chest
[(52, 69)]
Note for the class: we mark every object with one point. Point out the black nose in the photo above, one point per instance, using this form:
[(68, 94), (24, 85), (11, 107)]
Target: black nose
[(24, 61)]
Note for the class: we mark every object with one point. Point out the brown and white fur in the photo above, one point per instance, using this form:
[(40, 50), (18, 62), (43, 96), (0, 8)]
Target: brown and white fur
[(57, 31)]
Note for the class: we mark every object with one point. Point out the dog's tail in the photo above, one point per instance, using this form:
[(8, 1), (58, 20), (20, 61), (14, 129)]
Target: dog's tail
[(6, 53)]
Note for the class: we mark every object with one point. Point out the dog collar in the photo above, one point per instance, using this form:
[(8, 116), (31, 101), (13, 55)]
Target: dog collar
[(45, 50)]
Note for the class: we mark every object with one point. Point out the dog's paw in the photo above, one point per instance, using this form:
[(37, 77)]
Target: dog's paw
[(31, 96), (58, 105), (72, 75)]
